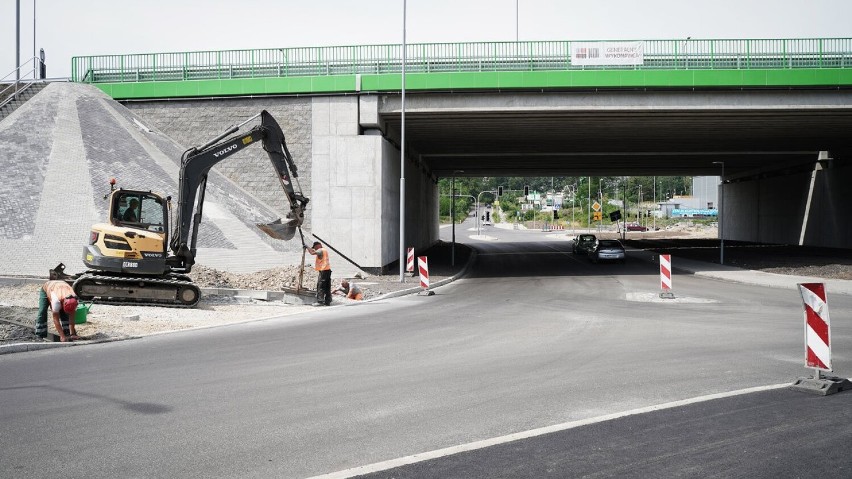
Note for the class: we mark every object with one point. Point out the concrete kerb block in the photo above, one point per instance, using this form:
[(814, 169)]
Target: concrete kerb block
[(17, 281), (252, 294), (261, 295), (23, 347)]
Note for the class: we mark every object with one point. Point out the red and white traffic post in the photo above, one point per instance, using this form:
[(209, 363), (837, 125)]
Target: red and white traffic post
[(666, 276), (818, 343), (423, 266), (817, 327), (409, 260)]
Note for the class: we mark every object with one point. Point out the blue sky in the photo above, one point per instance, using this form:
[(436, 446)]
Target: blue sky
[(67, 28)]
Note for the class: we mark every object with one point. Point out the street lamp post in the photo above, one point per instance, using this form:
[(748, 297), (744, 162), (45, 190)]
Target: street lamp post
[(453, 216), (573, 189), (402, 158), (590, 204), (719, 210), (453, 219), (638, 206), (655, 203)]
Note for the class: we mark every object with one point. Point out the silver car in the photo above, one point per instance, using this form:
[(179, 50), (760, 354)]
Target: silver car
[(607, 250)]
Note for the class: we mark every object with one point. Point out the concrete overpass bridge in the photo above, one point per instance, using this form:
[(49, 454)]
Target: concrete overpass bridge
[(777, 113)]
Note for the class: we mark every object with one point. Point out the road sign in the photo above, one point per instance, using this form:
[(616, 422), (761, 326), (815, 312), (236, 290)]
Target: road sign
[(597, 216), (596, 206)]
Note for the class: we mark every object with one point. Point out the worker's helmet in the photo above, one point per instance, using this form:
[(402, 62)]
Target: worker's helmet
[(70, 304)]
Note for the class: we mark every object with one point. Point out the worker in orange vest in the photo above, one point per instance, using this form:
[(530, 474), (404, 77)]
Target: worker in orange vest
[(323, 267)]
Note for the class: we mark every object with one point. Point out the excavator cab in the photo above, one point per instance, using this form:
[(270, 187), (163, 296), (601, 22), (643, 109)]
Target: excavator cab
[(138, 209), (135, 239)]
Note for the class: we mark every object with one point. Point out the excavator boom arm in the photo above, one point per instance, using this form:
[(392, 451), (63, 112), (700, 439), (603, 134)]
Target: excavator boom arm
[(196, 164)]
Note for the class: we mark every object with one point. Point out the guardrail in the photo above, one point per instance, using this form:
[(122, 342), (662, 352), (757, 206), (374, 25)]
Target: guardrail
[(456, 57)]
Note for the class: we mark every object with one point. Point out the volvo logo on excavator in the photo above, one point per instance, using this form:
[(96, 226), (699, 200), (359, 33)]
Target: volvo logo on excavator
[(223, 151)]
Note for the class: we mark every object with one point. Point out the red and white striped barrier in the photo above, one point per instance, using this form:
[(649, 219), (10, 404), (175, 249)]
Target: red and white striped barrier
[(666, 276), (409, 261), (424, 271), (818, 344), (817, 326)]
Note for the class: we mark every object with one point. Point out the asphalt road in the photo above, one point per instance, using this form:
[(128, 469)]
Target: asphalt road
[(533, 337)]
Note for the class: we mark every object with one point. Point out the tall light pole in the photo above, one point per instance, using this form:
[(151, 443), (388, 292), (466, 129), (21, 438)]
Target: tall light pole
[(719, 217), (573, 207), (402, 161), (590, 203), (17, 40), (453, 219), (516, 21), (638, 205), (655, 203)]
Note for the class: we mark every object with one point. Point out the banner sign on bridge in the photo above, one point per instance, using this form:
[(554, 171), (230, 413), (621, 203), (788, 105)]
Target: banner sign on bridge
[(608, 53)]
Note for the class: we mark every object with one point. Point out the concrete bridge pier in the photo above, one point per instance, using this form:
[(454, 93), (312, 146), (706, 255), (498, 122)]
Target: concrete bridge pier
[(355, 185), (804, 205)]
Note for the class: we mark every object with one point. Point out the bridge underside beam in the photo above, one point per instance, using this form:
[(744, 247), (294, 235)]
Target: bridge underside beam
[(635, 133)]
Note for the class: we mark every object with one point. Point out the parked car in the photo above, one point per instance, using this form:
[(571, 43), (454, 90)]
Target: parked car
[(610, 250), (636, 227), (583, 244)]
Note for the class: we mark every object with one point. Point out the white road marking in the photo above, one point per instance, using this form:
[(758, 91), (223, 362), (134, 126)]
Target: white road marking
[(472, 446)]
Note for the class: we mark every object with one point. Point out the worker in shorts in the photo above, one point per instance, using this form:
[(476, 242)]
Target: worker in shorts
[(59, 298), (350, 290)]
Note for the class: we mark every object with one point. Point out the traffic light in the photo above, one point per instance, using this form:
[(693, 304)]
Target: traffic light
[(556, 214), (499, 191), (526, 190)]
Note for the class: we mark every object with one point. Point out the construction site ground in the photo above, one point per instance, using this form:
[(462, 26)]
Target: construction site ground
[(19, 300), (19, 297)]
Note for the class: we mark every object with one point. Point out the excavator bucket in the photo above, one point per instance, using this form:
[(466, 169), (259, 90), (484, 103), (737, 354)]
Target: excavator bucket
[(282, 230)]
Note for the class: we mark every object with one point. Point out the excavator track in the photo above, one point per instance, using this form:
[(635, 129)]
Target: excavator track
[(176, 291)]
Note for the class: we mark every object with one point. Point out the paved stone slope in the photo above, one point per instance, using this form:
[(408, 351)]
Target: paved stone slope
[(58, 152)]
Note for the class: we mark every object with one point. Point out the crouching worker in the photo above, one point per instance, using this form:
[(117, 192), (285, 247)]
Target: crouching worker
[(350, 290), (59, 297)]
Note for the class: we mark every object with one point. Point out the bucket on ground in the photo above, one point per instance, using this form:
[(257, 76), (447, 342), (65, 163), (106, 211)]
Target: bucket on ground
[(82, 313)]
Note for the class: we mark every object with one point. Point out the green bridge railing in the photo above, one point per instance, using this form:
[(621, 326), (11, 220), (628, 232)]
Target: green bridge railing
[(813, 53)]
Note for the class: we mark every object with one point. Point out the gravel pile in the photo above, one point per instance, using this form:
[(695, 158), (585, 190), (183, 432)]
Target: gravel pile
[(275, 279)]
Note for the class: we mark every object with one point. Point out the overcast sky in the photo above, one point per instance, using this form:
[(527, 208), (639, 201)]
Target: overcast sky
[(72, 28)]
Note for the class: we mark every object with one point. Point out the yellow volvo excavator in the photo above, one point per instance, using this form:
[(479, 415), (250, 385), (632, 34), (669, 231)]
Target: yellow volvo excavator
[(135, 258)]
